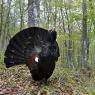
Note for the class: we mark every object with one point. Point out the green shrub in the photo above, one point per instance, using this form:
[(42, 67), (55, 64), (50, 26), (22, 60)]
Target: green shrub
[(1, 56)]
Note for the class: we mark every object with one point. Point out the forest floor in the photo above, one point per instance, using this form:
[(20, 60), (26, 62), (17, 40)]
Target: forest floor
[(17, 81)]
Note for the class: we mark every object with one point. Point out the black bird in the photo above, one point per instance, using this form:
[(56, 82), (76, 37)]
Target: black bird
[(37, 48)]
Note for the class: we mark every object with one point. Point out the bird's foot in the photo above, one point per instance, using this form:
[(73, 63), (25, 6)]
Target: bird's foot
[(44, 81)]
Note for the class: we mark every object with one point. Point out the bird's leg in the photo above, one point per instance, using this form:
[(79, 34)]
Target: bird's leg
[(43, 81)]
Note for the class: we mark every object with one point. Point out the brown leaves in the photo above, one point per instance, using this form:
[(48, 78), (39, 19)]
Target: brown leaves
[(18, 81)]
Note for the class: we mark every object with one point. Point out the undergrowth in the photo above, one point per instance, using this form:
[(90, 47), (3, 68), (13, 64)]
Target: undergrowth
[(64, 81)]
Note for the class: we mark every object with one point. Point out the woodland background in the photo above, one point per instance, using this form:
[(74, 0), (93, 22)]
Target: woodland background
[(74, 21)]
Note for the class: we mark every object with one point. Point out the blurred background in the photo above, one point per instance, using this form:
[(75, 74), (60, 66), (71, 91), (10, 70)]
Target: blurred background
[(74, 21)]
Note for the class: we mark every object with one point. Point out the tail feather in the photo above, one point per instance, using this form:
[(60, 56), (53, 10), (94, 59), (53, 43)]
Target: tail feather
[(15, 48), (19, 41), (13, 61), (9, 62), (15, 57), (22, 45), (14, 51)]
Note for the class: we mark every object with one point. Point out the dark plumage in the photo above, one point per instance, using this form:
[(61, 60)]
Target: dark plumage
[(35, 47)]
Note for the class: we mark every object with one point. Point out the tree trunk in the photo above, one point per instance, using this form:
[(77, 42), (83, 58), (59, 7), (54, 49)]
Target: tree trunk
[(21, 7), (1, 18), (33, 12), (85, 44), (69, 41)]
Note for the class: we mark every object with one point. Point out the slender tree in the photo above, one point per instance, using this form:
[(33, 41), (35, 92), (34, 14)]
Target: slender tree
[(33, 12), (1, 16), (85, 45)]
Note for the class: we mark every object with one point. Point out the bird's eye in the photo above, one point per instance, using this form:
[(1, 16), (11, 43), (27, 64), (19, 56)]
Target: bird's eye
[(36, 59)]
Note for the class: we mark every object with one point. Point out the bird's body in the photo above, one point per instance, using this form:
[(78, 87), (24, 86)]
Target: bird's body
[(35, 47)]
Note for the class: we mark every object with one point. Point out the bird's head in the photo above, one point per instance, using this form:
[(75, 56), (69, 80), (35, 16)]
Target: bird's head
[(52, 35)]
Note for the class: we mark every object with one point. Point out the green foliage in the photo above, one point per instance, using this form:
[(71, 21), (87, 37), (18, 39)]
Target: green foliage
[(1, 57), (91, 90)]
